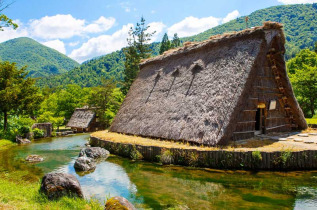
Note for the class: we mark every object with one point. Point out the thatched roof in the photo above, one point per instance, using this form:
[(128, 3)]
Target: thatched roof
[(81, 118), (194, 92)]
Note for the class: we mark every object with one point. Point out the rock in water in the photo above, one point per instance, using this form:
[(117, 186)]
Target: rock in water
[(85, 164), (117, 202), (56, 185), (20, 140), (34, 158), (94, 152)]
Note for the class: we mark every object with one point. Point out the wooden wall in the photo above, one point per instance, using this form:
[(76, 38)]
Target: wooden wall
[(283, 160)]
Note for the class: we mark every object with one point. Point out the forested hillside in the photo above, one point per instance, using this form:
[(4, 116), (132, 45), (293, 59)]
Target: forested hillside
[(41, 60), (300, 25), (91, 72)]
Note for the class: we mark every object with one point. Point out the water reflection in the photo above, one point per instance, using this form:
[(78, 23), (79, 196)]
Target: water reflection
[(108, 180)]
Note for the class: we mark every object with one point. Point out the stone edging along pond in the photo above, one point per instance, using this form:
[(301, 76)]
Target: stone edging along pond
[(221, 159)]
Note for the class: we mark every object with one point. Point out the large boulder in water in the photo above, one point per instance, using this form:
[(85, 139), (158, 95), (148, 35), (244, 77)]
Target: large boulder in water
[(117, 202), (56, 185), (85, 164), (94, 152)]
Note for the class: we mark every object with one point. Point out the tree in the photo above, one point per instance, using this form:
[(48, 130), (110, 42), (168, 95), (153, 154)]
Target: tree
[(131, 68), (100, 98), (140, 38), (138, 49), (303, 75), (4, 20), (165, 44), (176, 42), (315, 45), (18, 94)]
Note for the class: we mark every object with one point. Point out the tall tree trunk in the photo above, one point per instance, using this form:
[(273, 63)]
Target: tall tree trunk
[(5, 123)]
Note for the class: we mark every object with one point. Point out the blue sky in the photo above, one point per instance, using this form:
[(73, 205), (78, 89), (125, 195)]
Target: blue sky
[(85, 29)]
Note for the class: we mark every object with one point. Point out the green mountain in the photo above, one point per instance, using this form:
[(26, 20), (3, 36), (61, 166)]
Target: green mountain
[(41, 60), (300, 26), (91, 72), (299, 20)]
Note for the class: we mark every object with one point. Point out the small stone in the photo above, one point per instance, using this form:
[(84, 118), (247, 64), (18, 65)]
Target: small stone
[(85, 164), (282, 139), (57, 185), (298, 140), (20, 140), (308, 142), (34, 158), (117, 202), (290, 138), (303, 135), (313, 134)]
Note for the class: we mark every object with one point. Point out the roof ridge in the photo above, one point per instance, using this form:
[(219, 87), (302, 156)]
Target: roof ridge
[(268, 25)]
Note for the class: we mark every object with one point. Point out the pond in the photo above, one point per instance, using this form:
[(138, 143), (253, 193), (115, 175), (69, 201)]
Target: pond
[(150, 185)]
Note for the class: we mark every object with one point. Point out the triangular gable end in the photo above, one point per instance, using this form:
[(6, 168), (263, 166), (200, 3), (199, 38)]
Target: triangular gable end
[(202, 92)]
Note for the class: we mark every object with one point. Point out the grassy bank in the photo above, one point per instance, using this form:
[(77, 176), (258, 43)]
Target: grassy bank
[(20, 184), (311, 121)]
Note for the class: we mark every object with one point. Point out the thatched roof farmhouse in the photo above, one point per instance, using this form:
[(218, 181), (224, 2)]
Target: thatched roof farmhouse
[(229, 87), (84, 120)]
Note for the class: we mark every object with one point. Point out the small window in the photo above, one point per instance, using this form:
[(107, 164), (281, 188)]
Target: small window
[(272, 105)]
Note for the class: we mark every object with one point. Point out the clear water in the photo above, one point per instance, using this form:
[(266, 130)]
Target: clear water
[(149, 185)]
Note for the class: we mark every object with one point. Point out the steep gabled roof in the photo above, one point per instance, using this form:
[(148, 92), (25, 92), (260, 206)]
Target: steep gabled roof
[(193, 93), (81, 118)]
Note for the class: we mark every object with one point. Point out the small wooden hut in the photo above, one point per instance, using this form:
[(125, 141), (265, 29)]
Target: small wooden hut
[(84, 120), (230, 87)]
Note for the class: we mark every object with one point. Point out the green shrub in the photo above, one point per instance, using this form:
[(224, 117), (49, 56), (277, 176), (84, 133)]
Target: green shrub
[(166, 157), (38, 133), (285, 156), (135, 154), (256, 158), (192, 159)]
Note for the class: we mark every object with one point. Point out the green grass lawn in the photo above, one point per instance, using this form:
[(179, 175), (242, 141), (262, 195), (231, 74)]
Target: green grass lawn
[(311, 121), (19, 188)]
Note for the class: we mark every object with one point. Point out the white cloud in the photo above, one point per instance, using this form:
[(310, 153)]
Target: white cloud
[(297, 1), (231, 16), (57, 45), (192, 25), (158, 27), (9, 33), (100, 25), (102, 45), (66, 26)]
